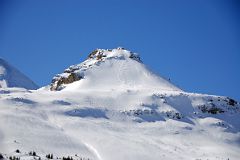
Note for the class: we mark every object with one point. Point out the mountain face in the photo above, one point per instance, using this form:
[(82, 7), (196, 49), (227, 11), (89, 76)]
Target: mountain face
[(111, 107), (110, 69), (11, 77)]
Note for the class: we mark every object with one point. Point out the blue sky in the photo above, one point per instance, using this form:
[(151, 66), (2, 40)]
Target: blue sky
[(194, 43)]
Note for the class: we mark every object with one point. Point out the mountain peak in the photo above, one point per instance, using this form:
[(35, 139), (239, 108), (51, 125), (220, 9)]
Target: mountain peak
[(120, 52), (108, 69)]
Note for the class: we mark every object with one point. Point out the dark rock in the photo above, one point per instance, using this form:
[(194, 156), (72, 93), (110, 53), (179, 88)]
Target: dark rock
[(231, 102), (135, 57), (215, 110), (211, 108), (1, 156), (56, 83), (92, 53)]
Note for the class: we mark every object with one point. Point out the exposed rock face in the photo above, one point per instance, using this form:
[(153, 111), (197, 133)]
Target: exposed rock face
[(101, 54), (76, 72), (59, 81)]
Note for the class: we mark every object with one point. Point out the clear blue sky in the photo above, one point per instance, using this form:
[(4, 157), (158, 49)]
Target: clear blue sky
[(195, 43)]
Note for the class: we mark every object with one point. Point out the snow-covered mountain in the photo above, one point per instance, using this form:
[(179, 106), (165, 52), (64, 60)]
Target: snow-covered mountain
[(110, 69), (111, 107), (11, 77)]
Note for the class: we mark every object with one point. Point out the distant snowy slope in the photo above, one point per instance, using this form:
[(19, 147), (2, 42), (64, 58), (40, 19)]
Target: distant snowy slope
[(110, 69), (11, 77)]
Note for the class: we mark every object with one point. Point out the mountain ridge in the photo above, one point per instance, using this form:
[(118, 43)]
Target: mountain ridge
[(12, 77)]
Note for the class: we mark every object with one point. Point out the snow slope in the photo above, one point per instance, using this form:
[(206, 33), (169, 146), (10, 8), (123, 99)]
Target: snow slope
[(11, 77), (87, 120), (112, 69)]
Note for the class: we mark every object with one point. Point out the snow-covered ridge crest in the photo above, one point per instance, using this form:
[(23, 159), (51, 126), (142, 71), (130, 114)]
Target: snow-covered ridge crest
[(12, 77), (109, 69), (118, 53)]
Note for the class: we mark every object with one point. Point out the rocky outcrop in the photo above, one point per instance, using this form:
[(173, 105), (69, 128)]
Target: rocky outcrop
[(58, 82), (101, 54)]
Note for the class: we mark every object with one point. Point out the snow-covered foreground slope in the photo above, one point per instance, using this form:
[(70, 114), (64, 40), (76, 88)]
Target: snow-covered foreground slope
[(97, 115), (130, 124), (11, 77)]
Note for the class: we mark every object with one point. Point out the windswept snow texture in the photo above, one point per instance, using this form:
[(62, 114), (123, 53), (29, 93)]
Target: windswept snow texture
[(117, 110), (11, 77)]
